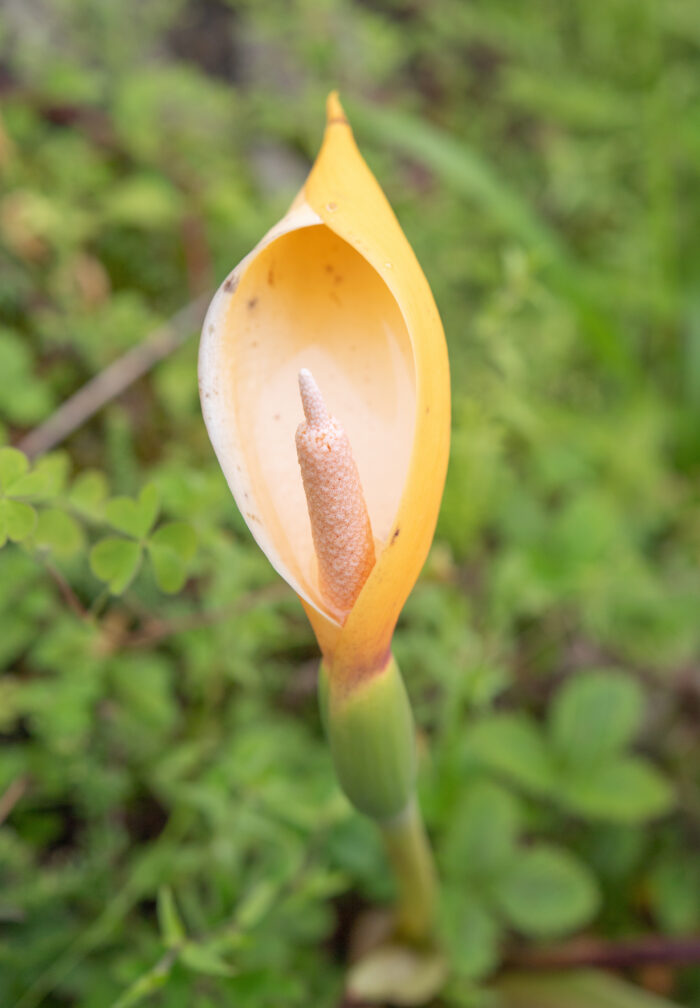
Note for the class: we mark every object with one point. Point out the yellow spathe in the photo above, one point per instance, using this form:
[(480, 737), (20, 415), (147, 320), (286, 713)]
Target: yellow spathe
[(334, 287)]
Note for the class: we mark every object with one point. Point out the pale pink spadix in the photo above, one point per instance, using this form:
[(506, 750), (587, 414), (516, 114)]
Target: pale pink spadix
[(340, 524)]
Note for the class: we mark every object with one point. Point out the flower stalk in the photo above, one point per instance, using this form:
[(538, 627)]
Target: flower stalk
[(408, 851), (372, 739)]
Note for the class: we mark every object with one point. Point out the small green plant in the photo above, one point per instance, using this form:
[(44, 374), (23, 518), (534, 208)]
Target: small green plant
[(53, 519), (580, 758)]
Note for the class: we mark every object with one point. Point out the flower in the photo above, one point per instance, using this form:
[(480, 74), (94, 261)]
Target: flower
[(333, 287)]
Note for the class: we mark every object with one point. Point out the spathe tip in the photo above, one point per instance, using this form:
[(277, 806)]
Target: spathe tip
[(335, 113)]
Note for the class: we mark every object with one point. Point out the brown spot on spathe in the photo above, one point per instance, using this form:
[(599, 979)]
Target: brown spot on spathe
[(252, 303), (230, 284)]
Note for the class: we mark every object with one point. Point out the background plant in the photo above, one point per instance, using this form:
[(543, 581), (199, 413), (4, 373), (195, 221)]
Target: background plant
[(170, 826)]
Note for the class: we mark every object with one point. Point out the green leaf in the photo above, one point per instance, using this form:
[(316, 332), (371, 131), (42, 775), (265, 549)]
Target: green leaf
[(32, 484), (674, 892), (171, 547), (204, 959), (13, 465), (482, 832), (469, 932), (25, 397), (171, 926), (58, 532), (116, 562), (547, 892), (255, 904), (513, 745), (88, 493), (178, 537), (626, 790), (594, 715), (134, 517), (144, 202), (145, 985), (17, 520), (45, 481)]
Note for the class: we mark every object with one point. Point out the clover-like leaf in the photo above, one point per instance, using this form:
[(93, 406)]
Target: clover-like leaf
[(31, 484), (116, 562), (171, 547), (44, 481), (627, 789), (17, 520), (547, 892), (13, 465), (89, 493), (594, 715), (58, 532), (134, 517), (469, 932), (482, 833), (513, 745)]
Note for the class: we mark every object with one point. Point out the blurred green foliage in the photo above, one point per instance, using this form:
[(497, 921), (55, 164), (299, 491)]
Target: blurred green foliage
[(171, 832)]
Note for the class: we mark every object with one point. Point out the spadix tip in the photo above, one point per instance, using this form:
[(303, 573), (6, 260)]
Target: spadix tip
[(315, 411)]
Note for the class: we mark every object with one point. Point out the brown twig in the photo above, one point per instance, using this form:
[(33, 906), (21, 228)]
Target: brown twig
[(12, 795), (67, 593), (623, 954), (115, 378), (198, 264)]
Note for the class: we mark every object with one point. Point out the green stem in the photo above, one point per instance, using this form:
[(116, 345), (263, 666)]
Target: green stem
[(408, 851), (370, 729)]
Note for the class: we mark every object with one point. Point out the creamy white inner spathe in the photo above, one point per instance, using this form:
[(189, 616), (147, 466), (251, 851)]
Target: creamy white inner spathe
[(304, 298)]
